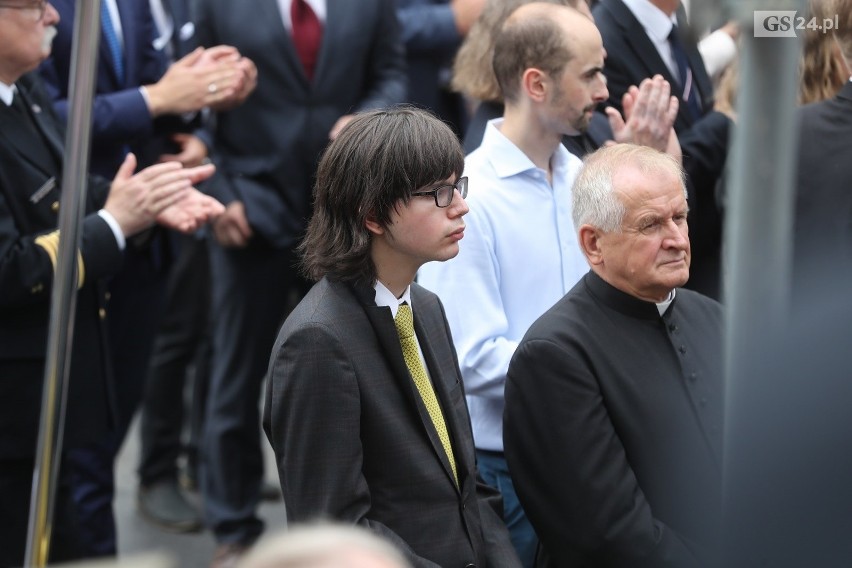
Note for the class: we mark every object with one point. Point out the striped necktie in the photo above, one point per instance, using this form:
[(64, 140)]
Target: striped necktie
[(405, 328), (688, 88), (113, 44), (307, 35)]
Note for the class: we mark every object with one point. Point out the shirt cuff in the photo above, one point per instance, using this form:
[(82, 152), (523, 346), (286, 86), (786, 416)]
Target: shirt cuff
[(718, 50), (116, 228), (144, 92)]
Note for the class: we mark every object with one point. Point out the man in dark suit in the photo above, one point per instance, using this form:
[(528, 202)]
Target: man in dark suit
[(614, 397), (365, 406), (319, 61), (31, 156), (644, 38)]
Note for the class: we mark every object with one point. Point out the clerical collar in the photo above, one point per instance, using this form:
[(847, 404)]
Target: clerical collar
[(7, 93), (664, 305), (624, 302), (385, 297)]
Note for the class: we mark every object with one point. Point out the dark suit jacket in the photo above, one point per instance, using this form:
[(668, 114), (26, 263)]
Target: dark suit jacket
[(267, 149), (120, 116), (823, 213), (632, 57), (431, 40), (613, 425), (354, 442), (29, 159)]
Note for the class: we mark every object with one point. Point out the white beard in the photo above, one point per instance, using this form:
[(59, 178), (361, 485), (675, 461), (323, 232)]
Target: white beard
[(47, 39)]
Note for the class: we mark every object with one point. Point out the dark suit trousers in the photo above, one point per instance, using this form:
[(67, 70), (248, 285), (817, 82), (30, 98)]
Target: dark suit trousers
[(137, 293), (250, 290), (16, 477), (182, 340)]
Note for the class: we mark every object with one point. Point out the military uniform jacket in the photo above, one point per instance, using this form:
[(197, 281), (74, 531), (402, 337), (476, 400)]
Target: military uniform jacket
[(30, 197)]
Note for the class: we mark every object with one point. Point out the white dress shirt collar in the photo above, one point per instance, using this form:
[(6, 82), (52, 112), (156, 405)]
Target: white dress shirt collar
[(7, 93), (385, 297), (657, 24), (318, 6)]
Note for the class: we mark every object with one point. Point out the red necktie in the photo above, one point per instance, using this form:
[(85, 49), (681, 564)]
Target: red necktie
[(307, 35)]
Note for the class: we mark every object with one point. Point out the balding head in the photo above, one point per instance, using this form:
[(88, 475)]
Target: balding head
[(541, 36)]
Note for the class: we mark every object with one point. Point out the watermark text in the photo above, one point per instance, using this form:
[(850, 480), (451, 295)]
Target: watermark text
[(785, 23)]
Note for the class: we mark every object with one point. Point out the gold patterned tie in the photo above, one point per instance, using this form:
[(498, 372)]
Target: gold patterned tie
[(405, 328)]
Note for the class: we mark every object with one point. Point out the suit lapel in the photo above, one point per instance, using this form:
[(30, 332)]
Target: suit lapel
[(430, 334), (642, 46), (132, 41), (47, 128), (335, 17), (696, 63), (270, 12), (25, 137), (382, 323), (648, 56)]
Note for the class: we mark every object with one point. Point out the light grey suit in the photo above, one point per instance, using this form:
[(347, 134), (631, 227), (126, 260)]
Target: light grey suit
[(354, 442)]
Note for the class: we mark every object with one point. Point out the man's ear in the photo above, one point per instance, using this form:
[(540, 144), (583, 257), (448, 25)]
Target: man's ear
[(590, 243), (373, 225), (534, 82)]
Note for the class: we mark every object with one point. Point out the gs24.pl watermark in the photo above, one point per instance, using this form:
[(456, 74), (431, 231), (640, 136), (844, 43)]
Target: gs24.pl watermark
[(785, 23)]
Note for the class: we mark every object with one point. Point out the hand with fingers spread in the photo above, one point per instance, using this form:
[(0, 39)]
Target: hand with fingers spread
[(649, 115), (231, 228), (135, 200)]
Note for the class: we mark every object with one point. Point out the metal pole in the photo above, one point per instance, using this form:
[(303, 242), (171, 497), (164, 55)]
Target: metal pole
[(64, 295), (758, 244)]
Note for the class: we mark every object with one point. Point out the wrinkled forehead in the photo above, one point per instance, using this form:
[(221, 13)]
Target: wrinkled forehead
[(655, 187)]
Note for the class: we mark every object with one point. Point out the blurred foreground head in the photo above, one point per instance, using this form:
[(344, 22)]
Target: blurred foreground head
[(325, 546)]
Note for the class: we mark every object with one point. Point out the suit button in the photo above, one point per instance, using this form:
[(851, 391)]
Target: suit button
[(672, 327), (102, 313), (107, 296), (682, 349), (54, 206), (693, 377), (470, 565), (37, 288)]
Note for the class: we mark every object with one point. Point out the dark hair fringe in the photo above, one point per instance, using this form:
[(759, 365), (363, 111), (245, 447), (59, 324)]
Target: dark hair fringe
[(378, 160)]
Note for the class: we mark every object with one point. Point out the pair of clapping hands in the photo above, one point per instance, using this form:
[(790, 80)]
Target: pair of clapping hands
[(162, 194), (218, 78)]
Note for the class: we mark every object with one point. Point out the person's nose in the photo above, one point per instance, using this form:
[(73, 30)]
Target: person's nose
[(51, 15), (601, 91), (458, 207), (677, 235)]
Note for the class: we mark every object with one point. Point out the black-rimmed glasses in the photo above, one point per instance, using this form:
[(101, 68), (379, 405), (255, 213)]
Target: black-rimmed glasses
[(40, 7), (443, 194)]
